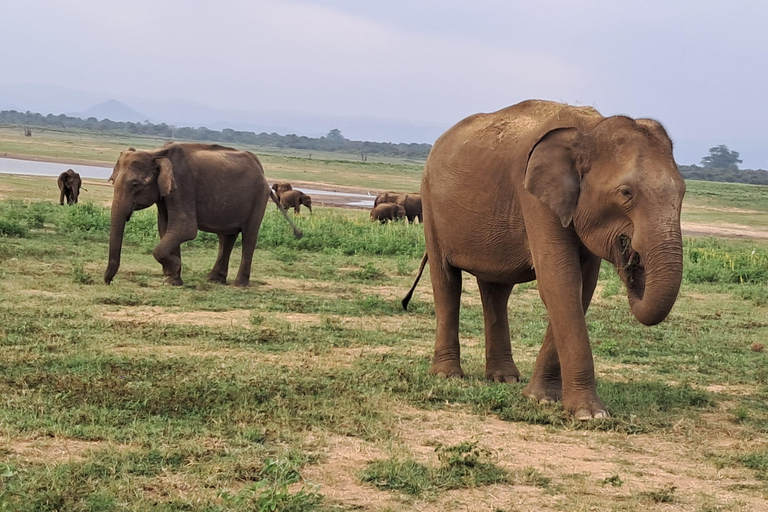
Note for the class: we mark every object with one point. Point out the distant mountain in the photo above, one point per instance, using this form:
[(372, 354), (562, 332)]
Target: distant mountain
[(112, 110)]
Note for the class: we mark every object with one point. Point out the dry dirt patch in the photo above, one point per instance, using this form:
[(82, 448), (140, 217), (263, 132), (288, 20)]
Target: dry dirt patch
[(576, 461), (49, 449), (722, 229)]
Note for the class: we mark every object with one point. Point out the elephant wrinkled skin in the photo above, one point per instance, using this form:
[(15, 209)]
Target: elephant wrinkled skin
[(69, 183), (544, 191), (196, 187), (412, 205)]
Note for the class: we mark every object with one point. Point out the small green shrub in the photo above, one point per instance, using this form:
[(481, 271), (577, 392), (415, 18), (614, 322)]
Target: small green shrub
[(84, 218), (12, 228)]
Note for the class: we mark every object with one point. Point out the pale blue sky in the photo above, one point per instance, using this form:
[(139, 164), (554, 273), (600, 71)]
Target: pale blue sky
[(700, 67)]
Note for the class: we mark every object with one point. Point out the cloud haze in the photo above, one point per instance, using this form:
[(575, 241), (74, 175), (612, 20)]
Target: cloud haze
[(699, 67)]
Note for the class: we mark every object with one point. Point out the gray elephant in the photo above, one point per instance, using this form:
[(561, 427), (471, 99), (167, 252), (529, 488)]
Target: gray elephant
[(387, 211), (412, 205), (294, 199), (280, 188), (555, 189), (386, 197), (69, 183), (196, 187)]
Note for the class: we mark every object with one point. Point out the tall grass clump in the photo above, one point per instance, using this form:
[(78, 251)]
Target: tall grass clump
[(335, 232), (18, 217), (84, 218), (711, 260)]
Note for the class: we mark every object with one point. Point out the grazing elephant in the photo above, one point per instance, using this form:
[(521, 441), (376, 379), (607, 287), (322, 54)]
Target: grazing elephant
[(554, 189), (280, 188), (387, 211), (412, 205), (386, 197), (69, 186), (294, 199), (195, 186)]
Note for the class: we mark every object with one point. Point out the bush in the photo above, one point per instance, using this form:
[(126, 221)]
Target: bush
[(85, 218), (10, 227)]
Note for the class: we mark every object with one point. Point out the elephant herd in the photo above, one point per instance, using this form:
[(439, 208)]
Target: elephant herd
[(536, 191), (392, 206)]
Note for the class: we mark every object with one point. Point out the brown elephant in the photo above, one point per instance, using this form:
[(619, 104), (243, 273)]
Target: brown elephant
[(280, 188), (69, 183), (387, 211), (386, 197), (195, 186), (412, 205), (554, 189), (294, 199)]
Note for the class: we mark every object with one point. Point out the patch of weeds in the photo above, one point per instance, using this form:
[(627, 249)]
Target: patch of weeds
[(255, 318), (79, 275), (534, 477), (271, 492), (758, 462), (467, 465), (613, 481), (406, 476), (368, 272), (462, 466), (404, 265), (285, 254), (84, 218), (664, 495), (741, 414)]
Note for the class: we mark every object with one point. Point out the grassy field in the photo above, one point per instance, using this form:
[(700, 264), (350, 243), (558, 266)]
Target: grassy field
[(310, 389)]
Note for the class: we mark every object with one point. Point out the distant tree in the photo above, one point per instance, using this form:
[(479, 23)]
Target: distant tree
[(335, 135), (720, 157)]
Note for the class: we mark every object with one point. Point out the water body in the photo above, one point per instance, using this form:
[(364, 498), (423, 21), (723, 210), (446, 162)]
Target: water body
[(14, 166), (34, 168)]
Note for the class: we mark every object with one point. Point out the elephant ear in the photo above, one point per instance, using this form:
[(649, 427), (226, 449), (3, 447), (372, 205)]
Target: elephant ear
[(165, 180), (551, 173), (657, 129)]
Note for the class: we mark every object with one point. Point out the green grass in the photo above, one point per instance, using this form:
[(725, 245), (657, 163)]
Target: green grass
[(210, 397)]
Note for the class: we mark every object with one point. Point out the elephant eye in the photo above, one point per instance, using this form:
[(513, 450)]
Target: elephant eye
[(626, 192)]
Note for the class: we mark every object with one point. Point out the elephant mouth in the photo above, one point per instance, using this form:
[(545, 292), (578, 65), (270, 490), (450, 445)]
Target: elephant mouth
[(631, 270)]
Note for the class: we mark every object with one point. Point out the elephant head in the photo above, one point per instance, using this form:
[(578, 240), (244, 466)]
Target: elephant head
[(281, 188), (141, 179), (620, 187), (306, 201)]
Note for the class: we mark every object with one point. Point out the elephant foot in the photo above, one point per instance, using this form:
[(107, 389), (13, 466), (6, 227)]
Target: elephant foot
[(544, 392), (173, 281), (447, 370), (586, 408), (505, 372), (242, 283), (216, 277)]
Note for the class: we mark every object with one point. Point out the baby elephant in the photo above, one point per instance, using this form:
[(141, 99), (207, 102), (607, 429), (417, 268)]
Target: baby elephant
[(294, 199), (387, 211), (69, 184)]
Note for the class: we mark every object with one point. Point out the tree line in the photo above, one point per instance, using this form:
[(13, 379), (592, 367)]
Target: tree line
[(333, 142), (722, 164)]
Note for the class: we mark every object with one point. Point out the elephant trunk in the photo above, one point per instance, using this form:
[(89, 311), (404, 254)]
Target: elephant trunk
[(121, 212), (653, 274)]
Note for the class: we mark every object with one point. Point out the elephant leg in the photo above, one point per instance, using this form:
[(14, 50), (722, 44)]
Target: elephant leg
[(421, 218), (499, 365), (61, 197), (221, 268), (250, 236), (168, 251), (446, 286), (546, 385)]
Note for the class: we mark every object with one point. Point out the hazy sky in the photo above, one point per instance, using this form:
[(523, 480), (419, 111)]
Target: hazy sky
[(700, 67)]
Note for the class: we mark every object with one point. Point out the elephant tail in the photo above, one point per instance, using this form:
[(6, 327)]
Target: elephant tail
[(408, 296), (296, 231)]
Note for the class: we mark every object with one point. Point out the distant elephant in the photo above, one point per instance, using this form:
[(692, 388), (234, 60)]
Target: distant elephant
[(280, 188), (69, 186), (387, 211), (554, 189), (195, 186), (294, 199), (386, 197), (412, 205)]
